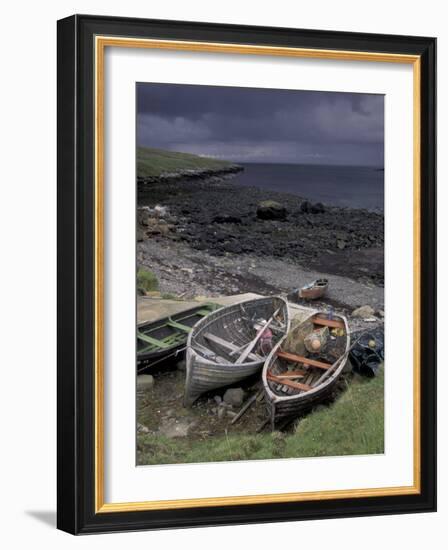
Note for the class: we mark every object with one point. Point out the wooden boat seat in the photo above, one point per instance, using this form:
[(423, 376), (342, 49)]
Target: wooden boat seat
[(304, 360), (228, 345), (292, 374), (289, 383), (332, 323)]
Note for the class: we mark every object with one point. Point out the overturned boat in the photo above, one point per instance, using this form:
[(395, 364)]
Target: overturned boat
[(302, 369), (314, 290), (161, 339), (232, 344)]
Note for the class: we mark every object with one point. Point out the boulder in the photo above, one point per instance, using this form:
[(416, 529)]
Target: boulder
[(144, 382), (271, 210), (363, 312), (312, 208), (234, 397)]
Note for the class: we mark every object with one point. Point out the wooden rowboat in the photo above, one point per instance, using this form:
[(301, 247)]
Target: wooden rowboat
[(161, 339), (314, 290), (294, 379), (232, 344)]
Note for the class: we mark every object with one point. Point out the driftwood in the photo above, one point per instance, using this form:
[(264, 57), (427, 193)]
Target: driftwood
[(252, 344), (246, 406)]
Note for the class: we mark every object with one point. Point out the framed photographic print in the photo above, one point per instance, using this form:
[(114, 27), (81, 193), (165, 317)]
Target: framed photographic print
[(246, 274)]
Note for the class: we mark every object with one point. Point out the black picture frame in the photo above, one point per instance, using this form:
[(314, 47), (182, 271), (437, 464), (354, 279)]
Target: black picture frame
[(76, 275)]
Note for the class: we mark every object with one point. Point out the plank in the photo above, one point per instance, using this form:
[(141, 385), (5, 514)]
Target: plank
[(332, 323), (246, 406), (304, 360), (292, 374), (290, 383), (227, 345), (251, 345)]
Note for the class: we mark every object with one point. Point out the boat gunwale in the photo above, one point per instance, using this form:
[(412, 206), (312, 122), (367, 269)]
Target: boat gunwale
[(275, 398), (198, 325)]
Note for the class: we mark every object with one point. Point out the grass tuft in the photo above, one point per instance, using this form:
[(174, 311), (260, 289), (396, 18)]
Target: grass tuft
[(147, 280)]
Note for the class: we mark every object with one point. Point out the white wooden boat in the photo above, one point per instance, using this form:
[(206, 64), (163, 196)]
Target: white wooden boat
[(232, 343)]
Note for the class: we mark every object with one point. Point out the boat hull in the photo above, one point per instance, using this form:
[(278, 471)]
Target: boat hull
[(284, 408), (314, 292), (234, 324), (169, 337)]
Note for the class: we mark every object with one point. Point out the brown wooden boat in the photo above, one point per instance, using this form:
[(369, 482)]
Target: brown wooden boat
[(314, 290), (294, 379)]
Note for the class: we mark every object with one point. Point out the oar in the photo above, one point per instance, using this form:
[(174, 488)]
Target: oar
[(251, 345)]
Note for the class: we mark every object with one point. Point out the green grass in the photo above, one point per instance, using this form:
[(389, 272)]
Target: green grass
[(146, 280), (154, 162), (352, 425)]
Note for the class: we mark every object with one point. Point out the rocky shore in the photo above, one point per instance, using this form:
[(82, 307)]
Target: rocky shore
[(222, 222)]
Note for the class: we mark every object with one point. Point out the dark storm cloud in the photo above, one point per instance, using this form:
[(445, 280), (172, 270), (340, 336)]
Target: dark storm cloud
[(247, 124)]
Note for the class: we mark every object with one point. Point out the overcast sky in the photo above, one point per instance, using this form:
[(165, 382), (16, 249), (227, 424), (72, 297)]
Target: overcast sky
[(262, 125)]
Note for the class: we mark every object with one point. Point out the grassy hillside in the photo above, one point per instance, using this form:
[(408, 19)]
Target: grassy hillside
[(154, 162), (352, 425)]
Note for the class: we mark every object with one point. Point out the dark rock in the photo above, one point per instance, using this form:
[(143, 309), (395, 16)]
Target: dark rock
[(317, 208), (271, 210), (233, 247), (226, 219), (312, 208)]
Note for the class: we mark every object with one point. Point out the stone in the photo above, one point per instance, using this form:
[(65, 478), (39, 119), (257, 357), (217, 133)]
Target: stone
[(175, 428), (271, 210), (142, 429), (221, 412), (363, 312), (181, 365), (217, 399), (231, 414), (226, 219), (234, 396), (144, 382), (232, 246), (309, 208), (317, 208), (341, 244)]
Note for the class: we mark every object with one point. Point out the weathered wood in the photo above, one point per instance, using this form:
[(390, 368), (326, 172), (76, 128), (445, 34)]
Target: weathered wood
[(211, 355), (290, 383), (228, 345), (332, 323), (292, 374), (252, 344), (300, 359), (246, 406)]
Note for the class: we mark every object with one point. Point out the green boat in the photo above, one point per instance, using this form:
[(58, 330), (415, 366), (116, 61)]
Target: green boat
[(166, 338)]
